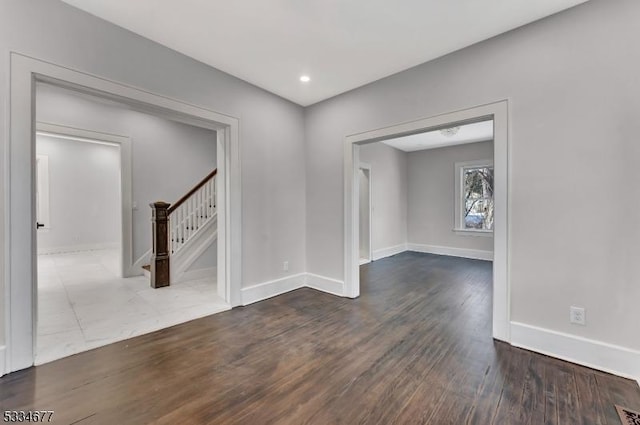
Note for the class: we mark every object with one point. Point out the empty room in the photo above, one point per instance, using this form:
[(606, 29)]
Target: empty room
[(319, 212), (94, 222)]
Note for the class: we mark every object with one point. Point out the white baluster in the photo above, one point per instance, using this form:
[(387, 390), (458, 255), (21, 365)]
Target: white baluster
[(182, 235), (189, 220), (194, 212), (170, 236), (207, 200), (193, 216), (200, 205)]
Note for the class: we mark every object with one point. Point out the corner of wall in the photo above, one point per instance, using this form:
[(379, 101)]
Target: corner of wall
[(379, 254), (269, 289), (324, 284), (272, 288)]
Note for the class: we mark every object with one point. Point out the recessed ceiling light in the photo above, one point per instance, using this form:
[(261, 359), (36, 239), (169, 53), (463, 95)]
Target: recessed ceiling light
[(305, 78)]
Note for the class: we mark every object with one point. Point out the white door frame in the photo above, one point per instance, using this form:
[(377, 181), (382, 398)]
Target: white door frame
[(17, 189), (365, 166), (124, 145), (498, 111)]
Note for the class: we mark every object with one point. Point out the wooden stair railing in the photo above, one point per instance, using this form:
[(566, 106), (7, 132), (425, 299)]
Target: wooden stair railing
[(173, 225)]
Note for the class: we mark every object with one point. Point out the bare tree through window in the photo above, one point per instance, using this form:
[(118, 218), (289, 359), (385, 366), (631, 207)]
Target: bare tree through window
[(478, 198)]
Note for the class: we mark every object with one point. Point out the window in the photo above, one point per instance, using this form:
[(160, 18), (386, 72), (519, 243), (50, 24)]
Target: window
[(474, 197)]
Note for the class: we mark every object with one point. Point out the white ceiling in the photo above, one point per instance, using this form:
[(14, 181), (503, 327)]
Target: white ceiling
[(340, 44), (469, 133)]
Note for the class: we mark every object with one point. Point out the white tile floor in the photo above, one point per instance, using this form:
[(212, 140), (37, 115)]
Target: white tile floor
[(83, 305)]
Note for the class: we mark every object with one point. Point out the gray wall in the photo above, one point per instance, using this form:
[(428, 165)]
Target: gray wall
[(84, 195), (431, 196), (388, 195), (168, 157), (574, 97), (271, 128)]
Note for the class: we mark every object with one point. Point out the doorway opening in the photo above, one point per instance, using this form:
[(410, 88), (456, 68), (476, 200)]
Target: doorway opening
[(94, 230), (471, 216), (83, 185), (21, 249)]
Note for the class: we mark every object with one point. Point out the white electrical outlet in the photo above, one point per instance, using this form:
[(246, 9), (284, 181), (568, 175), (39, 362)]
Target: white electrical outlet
[(285, 266), (577, 315)]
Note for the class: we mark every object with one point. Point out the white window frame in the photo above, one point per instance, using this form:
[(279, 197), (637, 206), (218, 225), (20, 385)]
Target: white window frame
[(460, 168)]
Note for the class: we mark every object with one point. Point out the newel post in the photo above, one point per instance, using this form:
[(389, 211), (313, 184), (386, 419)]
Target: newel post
[(160, 246)]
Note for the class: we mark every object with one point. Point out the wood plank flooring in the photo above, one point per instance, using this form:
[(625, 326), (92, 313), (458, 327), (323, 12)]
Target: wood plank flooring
[(415, 348)]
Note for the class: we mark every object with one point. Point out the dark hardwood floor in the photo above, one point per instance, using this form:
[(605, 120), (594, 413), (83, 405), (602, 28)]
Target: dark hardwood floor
[(415, 348)]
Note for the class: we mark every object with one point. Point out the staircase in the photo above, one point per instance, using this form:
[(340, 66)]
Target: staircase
[(182, 232)]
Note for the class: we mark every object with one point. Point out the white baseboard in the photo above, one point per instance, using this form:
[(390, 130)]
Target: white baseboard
[(262, 291), (3, 360), (325, 284), (199, 274), (475, 254), (77, 248), (136, 267), (609, 358), (198, 243), (265, 290), (388, 251)]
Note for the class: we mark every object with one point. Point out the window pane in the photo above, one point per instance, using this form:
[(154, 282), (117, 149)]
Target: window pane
[(478, 198)]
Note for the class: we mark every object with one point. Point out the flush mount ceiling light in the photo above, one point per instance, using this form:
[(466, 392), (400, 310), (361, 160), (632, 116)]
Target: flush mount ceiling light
[(450, 132), (305, 78)]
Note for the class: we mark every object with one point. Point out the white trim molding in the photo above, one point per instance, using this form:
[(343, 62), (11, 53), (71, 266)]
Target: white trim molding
[(599, 355), (43, 204), (389, 251), (473, 232), (126, 186), (459, 202), (367, 167), (182, 260), (3, 368), (272, 288), (475, 254), (18, 243), (143, 260), (324, 284), (499, 112)]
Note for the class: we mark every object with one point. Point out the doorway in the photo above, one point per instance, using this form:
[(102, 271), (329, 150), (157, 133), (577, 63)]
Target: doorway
[(84, 298), (87, 174), (21, 300), (365, 208), (79, 224), (497, 112)]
